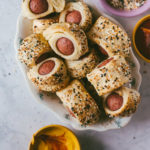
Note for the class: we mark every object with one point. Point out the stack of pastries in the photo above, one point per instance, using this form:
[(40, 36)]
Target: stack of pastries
[(66, 47)]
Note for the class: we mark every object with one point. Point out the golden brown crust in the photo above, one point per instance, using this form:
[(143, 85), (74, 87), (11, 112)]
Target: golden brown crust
[(30, 15), (84, 11), (111, 37), (80, 68), (40, 25), (70, 31), (53, 6), (110, 76), (131, 100), (32, 48), (58, 5), (80, 103), (57, 79)]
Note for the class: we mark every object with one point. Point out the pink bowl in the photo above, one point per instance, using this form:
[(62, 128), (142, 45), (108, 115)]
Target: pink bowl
[(131, 13)]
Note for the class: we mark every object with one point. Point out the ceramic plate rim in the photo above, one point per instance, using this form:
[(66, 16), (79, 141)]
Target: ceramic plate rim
[(64, 120)]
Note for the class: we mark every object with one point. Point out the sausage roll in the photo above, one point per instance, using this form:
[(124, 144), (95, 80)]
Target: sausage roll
[(32, 48), (79, 103), (110, 75), (113, 39), (68, 41), (122, 102), (34, 9), (80, 68), (50, 75), (78, 13), (39, 25)]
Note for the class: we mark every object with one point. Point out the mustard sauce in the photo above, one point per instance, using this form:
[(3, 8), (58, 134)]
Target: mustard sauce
[(55, 139)]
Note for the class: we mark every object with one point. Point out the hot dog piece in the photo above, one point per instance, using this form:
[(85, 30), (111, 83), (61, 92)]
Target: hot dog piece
[(32, 49), (74, 17), (105, 62), (103, 51), (79, 103), (50, 75), (110, 75), (77, 13), (121, 102), (113, 39), (67, 40), (35, 9), (114, 101), (38, 6), (65, 46), (70, 112), (46, 67)]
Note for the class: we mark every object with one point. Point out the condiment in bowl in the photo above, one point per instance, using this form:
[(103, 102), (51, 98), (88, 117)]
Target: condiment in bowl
[(141, 38), (54, 137), (127, 10)]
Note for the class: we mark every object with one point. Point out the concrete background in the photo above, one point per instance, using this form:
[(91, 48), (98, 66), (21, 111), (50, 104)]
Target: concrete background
[(21, 115)]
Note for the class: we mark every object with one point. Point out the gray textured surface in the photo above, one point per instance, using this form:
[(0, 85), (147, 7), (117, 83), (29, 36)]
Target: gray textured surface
[(21, 115)]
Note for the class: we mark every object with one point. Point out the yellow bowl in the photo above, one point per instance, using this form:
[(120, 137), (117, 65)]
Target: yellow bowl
[(71, 141), (133, 37)]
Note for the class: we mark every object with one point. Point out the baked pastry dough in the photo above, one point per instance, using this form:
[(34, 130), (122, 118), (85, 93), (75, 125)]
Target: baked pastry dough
[(53, 6), (131, 99), (110, 75), (113, 39), (39, 25), (58, 5), (82, 8), (32, 48), (53, 81), (80, 68), (79, 103), (73, 33)]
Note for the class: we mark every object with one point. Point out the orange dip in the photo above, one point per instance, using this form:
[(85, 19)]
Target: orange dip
[(142, 39), (51, 142), (54, 138)]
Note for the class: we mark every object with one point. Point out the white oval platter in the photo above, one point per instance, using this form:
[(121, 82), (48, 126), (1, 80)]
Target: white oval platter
[(24, 28)]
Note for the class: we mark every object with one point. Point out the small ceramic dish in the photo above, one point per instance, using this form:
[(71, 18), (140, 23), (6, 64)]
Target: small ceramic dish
[(24, 28), (54, 136), (123, 13), (139, 23)]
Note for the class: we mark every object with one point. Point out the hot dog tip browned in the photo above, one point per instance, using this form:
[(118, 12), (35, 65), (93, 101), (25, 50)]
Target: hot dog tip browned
[(114, 101), (74, 17), (65, 46), (46, 67), (105, 62), (70, 112), (103, 51), (38, 6)]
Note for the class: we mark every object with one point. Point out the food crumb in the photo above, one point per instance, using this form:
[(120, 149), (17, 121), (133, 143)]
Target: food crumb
[(134, 138)]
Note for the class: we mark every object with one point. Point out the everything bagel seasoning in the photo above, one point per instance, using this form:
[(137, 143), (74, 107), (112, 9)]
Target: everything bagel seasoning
[(126, 4)]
